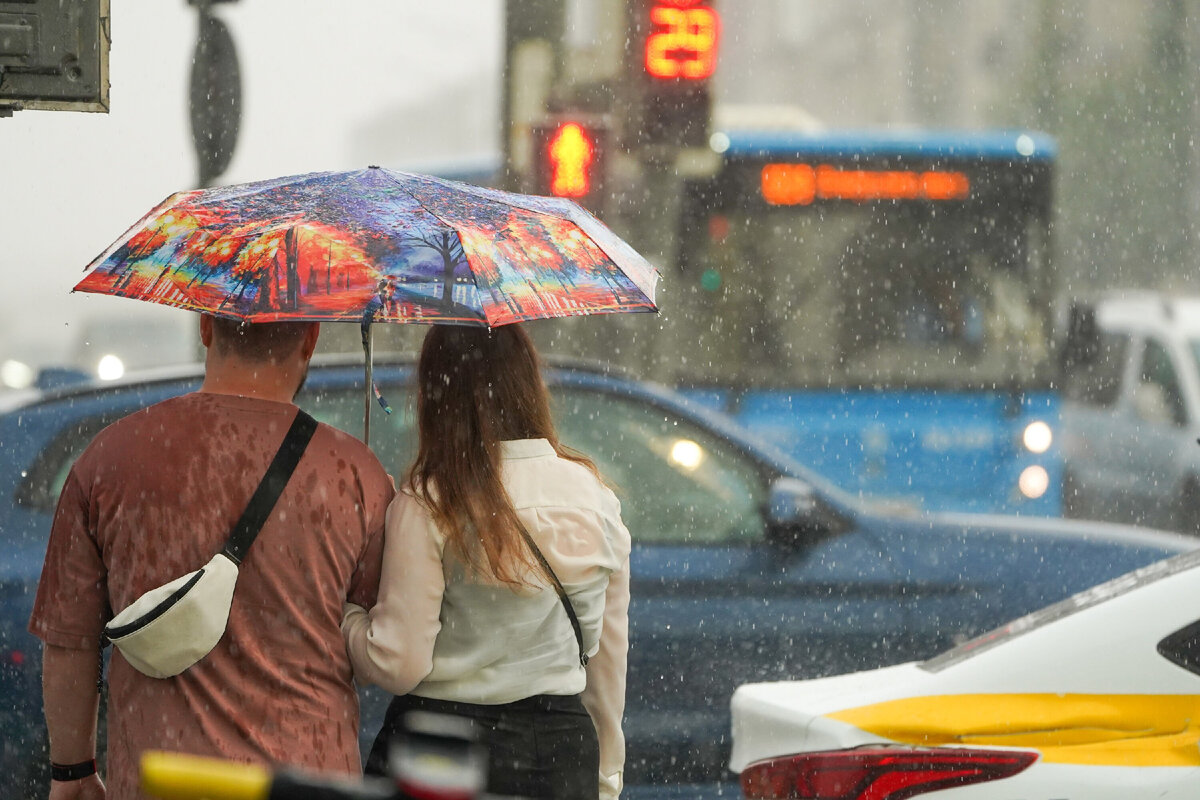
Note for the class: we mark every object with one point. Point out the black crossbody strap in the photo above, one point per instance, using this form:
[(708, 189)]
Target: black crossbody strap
[(562, 594), (271, 486)]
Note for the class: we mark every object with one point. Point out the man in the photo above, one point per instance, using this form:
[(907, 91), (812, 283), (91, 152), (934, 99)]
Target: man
[(153, 497)]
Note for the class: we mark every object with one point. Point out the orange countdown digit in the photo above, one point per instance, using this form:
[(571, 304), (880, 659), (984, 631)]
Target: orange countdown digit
[(683, 43)]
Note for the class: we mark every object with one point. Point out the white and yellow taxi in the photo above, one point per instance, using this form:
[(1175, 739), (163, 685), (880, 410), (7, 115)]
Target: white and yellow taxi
[(1095, 697)]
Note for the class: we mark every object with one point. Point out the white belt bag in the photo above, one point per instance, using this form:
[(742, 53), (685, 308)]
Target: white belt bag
[(171, 627)]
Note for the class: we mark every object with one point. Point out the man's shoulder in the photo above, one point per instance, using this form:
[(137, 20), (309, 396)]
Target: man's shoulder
[(169, 412), (350, 447), (350, 451), (131, 433)]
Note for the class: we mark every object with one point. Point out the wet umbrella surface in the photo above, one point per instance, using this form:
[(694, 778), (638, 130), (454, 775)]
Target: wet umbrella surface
[(389, 245)]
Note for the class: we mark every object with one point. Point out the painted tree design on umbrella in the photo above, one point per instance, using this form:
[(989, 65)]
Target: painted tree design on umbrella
[(446, 245), (252, 264), (185, 255), (210, 256), (159, 231)]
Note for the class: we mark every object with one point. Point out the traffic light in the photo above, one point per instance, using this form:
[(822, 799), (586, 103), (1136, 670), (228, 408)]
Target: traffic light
[(675, 46), (570, 155)]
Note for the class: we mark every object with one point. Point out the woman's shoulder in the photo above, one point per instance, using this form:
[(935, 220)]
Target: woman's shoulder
[(409, 496), (410, 512), (577, 483)]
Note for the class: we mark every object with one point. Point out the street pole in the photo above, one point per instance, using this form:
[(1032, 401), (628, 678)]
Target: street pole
[(533, 62), (215, 94), (1174, 105)]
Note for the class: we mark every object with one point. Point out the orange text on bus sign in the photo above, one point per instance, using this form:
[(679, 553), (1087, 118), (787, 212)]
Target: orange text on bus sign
[(683, 41), (801, 184)]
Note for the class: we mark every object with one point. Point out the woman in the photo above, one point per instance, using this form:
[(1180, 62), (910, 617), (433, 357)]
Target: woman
[(468, 619)]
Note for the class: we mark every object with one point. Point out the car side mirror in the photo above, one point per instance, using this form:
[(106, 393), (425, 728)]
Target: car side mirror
[(797, 515)]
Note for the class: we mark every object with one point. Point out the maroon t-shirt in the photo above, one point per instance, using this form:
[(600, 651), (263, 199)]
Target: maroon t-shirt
[(155, 496)]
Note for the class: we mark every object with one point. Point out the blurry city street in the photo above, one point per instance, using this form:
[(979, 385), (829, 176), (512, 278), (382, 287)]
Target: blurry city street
[(920, 384)]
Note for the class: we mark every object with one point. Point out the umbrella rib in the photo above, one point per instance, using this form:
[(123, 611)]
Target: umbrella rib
[(514, 200), (400, 185), (474, 279), (226, 193)]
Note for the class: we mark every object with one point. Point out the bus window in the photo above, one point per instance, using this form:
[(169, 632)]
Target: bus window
[(875, 279)]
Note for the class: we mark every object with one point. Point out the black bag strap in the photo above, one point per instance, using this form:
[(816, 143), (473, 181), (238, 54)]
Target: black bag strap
[(272, 485), (562, 595)]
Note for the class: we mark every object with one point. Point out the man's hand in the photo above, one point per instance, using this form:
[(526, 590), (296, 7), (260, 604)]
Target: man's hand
[(89, 788)]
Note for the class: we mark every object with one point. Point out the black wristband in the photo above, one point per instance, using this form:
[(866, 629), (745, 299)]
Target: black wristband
[(72, 772)]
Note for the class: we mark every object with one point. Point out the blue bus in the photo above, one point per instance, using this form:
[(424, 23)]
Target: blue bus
[(880, 305)]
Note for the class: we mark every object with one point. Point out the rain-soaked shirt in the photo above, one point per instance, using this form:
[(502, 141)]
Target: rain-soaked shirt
[(443, 632), (155, 496)]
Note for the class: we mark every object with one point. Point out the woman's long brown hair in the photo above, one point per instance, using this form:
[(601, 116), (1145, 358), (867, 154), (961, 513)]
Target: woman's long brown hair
[(476, 388)]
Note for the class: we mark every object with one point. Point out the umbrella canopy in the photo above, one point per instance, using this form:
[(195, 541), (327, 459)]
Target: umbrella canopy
[(374, 244)]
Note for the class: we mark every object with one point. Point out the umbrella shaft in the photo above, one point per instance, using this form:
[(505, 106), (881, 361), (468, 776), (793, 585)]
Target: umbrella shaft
[(367, 351)]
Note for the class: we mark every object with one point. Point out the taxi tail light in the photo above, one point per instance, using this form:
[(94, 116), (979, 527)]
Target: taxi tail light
[(878, 773)]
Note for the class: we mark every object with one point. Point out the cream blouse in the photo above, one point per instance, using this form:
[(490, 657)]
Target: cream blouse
[(439, 631)]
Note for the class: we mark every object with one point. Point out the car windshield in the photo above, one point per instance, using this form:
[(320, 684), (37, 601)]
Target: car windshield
[(953, 294), (1072, 605), (678, 482)]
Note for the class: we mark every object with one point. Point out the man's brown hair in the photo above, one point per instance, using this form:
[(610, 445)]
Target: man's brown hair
[(259, 341)]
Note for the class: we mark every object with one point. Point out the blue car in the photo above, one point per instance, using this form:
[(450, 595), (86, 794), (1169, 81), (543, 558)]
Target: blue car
[(746, 566)]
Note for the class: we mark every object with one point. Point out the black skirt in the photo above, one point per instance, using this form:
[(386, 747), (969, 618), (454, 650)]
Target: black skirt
[(540, 747)]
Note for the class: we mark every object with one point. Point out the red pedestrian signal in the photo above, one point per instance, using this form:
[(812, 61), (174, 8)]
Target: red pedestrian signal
[(570, 156), (570, 153), (673, 55)]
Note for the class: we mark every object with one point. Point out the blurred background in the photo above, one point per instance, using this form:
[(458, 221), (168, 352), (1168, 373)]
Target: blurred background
[(323, 87), (337, 86), (1096, 98)]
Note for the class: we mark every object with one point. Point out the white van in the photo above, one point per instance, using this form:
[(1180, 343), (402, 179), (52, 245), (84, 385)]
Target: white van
[(1131, 410)]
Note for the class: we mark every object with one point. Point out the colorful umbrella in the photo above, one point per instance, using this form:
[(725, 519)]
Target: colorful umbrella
[(374, 244), (322, 246)]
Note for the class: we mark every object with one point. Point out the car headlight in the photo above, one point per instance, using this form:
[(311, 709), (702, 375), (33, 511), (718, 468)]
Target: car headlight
[(1037, 437), (109, 368), (1033, 481), (686, 454), (16, 374)]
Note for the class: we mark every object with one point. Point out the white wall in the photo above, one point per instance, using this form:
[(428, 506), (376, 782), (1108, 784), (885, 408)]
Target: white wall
[(325, 86)]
